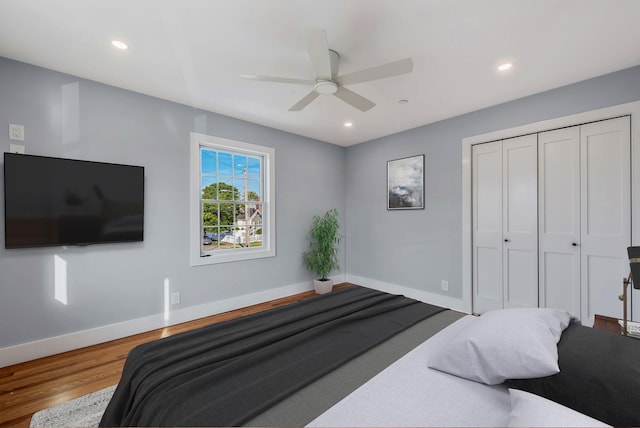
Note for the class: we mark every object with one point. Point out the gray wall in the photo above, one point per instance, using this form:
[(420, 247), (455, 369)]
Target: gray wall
[(65, 116), (419, 249), (70, 117)]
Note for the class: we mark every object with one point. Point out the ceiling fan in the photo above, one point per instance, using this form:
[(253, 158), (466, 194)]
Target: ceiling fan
[(327, 81)]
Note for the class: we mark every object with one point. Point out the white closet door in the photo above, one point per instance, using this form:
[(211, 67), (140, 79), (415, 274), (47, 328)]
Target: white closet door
[(487, 226), (606, 215), (559, 219), (520, 221)]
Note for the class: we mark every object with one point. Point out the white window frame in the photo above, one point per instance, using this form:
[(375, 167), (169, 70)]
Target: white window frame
[(268, 248)]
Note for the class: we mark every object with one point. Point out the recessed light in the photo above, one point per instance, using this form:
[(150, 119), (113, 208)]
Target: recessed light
[(348, 124), (120, 45), (403, 101), (504, 67)]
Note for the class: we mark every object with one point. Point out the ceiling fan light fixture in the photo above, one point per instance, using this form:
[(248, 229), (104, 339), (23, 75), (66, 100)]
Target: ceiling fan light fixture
[(325, 87)]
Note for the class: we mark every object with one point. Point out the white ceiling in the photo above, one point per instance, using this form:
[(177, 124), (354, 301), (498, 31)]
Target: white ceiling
[(193, 51)]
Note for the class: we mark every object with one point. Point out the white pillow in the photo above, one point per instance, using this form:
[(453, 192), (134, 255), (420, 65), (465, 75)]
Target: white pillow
[(530, 410), (505, 344)]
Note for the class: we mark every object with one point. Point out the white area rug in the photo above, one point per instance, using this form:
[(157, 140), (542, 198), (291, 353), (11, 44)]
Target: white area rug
[(85, 411)]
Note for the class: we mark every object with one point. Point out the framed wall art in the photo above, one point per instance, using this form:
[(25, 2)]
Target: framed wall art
[(405, 183)]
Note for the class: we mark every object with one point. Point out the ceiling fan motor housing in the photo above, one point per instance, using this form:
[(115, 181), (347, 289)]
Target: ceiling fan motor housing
[(325, 87)]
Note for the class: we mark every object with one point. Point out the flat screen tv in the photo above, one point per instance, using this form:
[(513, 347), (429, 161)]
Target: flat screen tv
[(52, 201)]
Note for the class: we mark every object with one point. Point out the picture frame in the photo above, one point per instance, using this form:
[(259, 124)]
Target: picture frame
[(405, 183)]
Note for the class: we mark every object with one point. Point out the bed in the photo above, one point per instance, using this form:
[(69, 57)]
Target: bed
[(359, 357)]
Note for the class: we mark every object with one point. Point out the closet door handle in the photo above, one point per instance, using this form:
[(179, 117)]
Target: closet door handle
[(574, 244), (506, 240)]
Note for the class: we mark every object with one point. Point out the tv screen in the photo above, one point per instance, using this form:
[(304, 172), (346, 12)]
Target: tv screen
[(52, 201)]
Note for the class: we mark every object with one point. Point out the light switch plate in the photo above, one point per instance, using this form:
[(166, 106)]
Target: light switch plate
[(16, 132)]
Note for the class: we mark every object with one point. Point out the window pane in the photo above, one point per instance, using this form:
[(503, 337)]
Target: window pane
[(238, 184), (225, 164), (239, 165), (208, 161), (254, 190), (227, 214), (225, 190), (253, 168), (209, 188), (208, 243), (253, 212), (241, 235), (225, 238), (212, 233), (210, 214)]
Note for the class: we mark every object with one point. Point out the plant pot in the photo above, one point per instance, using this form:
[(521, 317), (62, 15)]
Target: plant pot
[(321, 286)]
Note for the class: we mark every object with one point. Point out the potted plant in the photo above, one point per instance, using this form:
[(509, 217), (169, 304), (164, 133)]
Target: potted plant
[(322, 257)]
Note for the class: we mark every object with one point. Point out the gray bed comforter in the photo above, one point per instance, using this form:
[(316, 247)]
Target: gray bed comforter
[(227, 373)]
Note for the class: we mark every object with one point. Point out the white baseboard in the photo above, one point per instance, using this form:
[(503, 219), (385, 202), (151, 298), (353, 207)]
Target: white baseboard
[(80, 339), (423, 296)]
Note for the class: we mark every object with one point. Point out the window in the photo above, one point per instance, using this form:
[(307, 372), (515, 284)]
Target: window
[(232, 194)]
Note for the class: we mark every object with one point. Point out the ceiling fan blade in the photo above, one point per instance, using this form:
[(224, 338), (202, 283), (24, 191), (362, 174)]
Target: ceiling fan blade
[(357, 101), (391, 69), (305, 101), (277, 79), (318, 50)]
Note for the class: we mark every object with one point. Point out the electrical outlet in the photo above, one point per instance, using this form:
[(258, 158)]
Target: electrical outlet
[(175, 297), (444, 285), (16, 132)]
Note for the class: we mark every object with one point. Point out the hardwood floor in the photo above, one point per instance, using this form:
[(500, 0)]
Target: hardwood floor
[(35, 385)]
